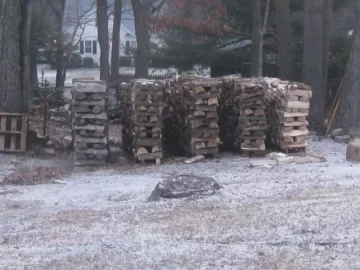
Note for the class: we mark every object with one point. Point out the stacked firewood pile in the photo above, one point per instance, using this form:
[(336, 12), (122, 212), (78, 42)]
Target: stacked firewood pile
[(287, 110), (89, 123), (229, 111), (142, 130), (252, 122), (192, 112)]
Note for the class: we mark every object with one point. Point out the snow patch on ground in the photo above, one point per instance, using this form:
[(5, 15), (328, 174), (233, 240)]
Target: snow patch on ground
[(288, 217)]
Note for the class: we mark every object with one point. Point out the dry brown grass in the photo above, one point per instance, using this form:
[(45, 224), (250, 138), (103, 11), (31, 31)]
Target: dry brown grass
[(34, 175)]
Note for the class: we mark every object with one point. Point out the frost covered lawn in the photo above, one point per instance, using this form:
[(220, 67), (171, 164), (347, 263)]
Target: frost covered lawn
[(288, 217)]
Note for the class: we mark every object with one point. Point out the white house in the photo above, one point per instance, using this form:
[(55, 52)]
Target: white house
[(81, 30)]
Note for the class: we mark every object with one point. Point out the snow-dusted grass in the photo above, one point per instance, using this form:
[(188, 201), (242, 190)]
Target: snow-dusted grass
[(288, 217)]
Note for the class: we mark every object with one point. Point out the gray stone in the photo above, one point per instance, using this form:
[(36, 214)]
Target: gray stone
[(342, 139), (337, 132), (184, 185)]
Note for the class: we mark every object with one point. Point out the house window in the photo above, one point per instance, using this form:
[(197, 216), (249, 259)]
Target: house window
[(88, 47)]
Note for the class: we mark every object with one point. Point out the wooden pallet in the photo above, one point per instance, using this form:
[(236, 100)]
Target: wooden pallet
[(150, 157), (13, 131), (294, 148)]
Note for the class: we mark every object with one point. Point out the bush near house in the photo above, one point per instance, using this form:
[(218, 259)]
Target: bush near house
[(88, 62), (75, 60)]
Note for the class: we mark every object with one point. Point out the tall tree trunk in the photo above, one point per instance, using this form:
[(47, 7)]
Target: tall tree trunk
[(327, 23), (286, 49), (60, 79), (257, 48), (141, 16), (34, 80), (103, 35), (115, 52), (10, 86), (349, 112), (25, 54), (313, 61)]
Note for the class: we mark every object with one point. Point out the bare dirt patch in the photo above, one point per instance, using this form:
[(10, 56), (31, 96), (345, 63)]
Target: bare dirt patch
[(34, 175)]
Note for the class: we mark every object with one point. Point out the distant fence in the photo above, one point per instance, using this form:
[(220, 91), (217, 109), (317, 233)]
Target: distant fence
[(129, 76)]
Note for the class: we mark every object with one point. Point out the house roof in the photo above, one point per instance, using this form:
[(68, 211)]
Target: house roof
[(233, 44)]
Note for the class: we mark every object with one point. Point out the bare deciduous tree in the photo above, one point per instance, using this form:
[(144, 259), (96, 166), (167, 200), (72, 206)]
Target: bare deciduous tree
[(258, 29), (349, 113), (115, 52), (286, 50), (15, 19), (327, 23), (103, 36), (313, 61), (142, 11)]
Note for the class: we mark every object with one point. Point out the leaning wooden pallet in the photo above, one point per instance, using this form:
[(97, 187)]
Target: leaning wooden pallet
[(13, 131)]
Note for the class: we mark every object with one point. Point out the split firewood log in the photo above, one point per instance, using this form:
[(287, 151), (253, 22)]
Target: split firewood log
[(248, 112), (155, 149), (213, 101), (98, 134), (213, 125), (154, 119), (197, 123), (212, 144), (153, 109), (83, 133), (211, 115), (155, 129), (141, 151), (199, 89), (259, 112), (142, 134), (142, 108), (199, 113), (199, 102), (80, 96), (142, 119), (200, 145), (97, 109), (97, 96)]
